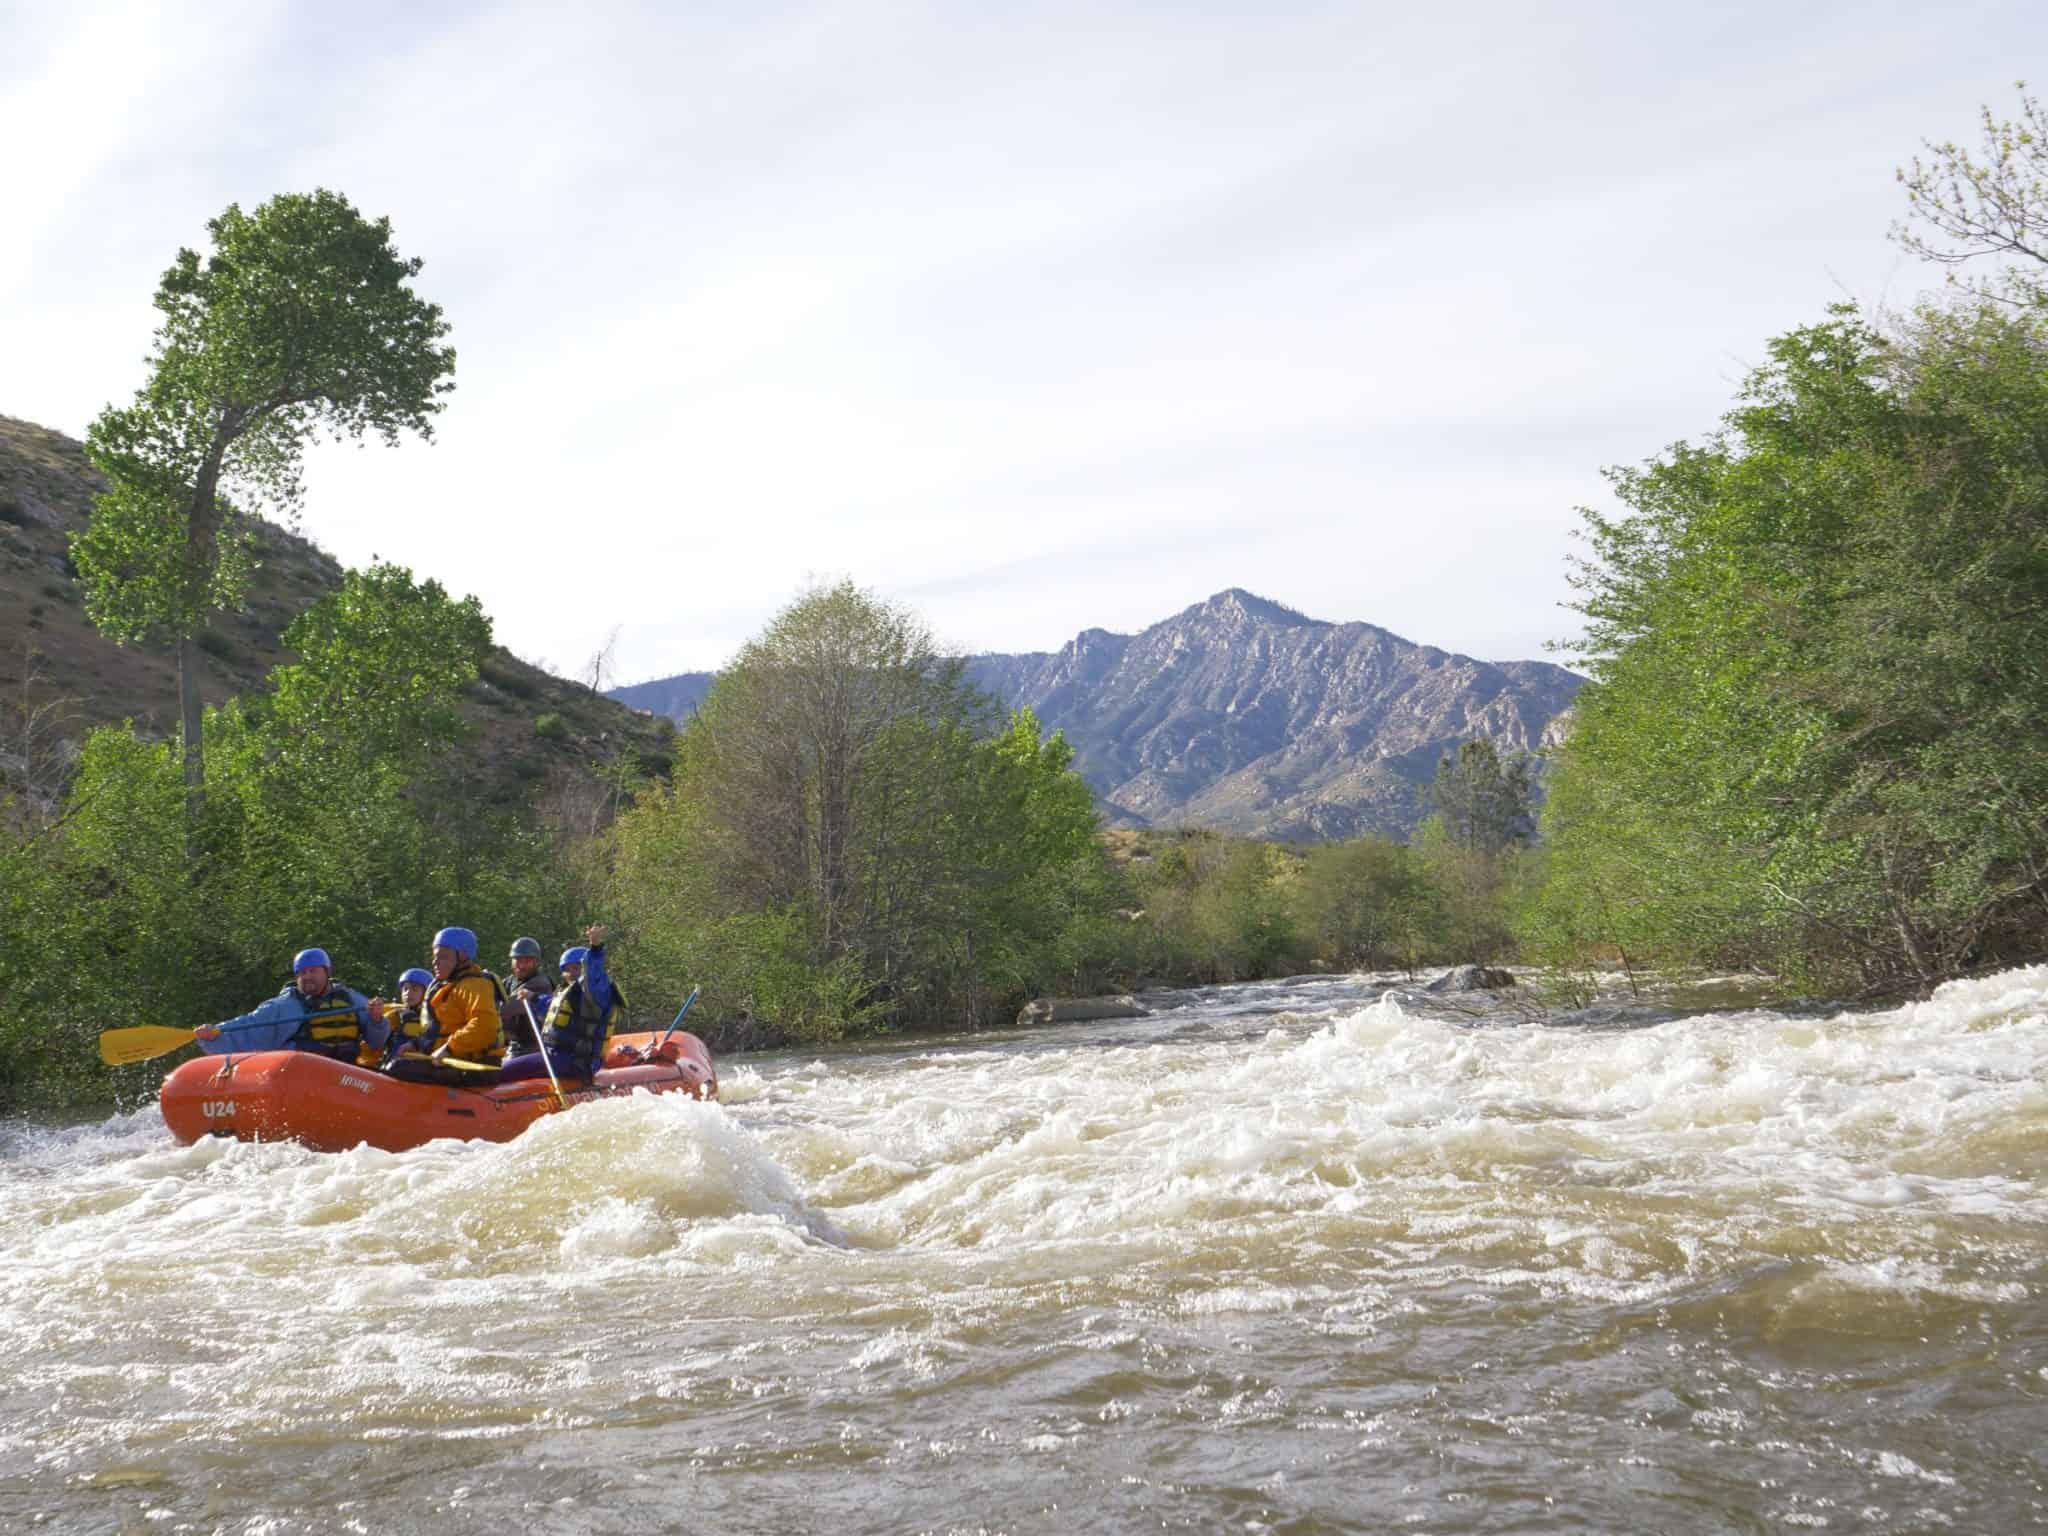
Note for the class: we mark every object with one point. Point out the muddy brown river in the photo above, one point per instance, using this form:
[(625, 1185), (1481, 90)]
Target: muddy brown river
[(1323, 1255)]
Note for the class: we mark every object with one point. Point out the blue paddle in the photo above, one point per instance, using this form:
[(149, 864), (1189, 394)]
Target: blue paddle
[(675, 1024)]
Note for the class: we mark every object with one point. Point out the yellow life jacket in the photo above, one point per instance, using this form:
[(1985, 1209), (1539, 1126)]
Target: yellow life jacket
[(331, 1027)]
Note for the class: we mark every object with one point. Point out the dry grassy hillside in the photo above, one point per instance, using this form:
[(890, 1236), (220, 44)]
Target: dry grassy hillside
[(57, 669)]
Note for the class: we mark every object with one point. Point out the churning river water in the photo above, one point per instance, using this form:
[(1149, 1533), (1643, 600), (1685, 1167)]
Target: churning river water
[(1320, 1255)]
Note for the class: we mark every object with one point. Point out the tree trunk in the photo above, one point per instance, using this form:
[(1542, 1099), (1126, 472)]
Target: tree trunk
[(194, 749), (202, 553)]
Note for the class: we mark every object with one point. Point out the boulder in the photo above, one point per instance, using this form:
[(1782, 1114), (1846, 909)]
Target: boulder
[(1078, 1010), (1472, 978)]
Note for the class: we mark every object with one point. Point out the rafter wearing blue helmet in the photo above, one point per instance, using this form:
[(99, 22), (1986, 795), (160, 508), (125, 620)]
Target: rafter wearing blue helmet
[(314, 1013), (586, 1009), (462, 1004), (406, 1018)]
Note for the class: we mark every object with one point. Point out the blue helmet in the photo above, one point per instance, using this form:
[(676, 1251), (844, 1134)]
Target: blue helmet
[(417, 974), (461, 940), (526, 947), (306, 959), (575, 955)]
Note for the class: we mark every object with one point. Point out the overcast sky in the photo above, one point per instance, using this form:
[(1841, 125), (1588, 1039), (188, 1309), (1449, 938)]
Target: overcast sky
[(1034, 318)]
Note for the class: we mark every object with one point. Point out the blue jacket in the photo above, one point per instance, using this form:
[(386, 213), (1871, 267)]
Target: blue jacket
[(273, 1024), (597, 981), (582, 1016)]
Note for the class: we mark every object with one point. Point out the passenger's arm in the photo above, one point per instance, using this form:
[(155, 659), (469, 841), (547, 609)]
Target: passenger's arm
[(597, 981), (371, 1021), (266, 1027)]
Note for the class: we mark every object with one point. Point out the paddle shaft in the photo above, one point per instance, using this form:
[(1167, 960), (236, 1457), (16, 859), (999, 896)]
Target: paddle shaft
[(542, 1046), (676, 1022)]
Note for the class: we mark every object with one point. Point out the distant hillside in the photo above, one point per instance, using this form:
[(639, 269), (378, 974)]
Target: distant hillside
[(47, 489), (675, 697), (1241, 714)]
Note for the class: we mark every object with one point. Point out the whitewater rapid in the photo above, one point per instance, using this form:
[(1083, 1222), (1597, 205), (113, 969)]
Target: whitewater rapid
[(1328, 1254)]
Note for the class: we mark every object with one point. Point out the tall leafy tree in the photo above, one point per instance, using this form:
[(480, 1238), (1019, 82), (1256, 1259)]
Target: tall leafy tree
[(1485, 800), (1007, 827), (300, 320), (799, 750), (850, 829), (1813, 736)]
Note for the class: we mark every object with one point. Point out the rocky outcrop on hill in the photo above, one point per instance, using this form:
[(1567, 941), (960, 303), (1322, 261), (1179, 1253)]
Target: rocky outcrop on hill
[(1241, 714)]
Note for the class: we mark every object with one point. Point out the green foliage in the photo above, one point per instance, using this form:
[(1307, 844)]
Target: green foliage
[(504, 678), (1212, 908), (852, 833), (301, 320), (96, 926), (1485, 804), (1205, 907), (1247, 918), (341, 814), (149, 564), (47, 1052), (550, 727), (1472, 893), (1812, 740), (1366, 904), (381, 662)]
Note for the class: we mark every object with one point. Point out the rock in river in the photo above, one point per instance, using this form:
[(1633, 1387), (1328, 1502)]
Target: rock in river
[(1076, 1010), (1472, 978)]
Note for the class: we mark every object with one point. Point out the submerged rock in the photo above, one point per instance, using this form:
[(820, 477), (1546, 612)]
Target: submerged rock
[(1473, 978), (1078, 1010)]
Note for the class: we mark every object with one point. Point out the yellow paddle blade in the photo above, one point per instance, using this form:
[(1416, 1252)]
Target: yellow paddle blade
[(467, 1066), (119, 1047)]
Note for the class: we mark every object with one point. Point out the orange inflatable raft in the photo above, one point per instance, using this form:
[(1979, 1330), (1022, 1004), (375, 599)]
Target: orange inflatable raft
[(332, 1106)]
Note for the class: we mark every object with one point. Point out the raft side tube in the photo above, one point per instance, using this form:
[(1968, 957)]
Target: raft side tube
[(331, 1105)]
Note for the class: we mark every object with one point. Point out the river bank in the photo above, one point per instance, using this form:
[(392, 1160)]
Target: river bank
[(1286, 1256)]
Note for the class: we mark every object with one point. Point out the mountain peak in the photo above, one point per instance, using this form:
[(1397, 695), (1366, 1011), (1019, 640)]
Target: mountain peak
[(1239, 606), (1247, 715)]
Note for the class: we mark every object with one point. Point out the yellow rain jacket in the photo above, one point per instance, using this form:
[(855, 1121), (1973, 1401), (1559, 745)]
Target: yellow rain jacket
[(464, 1013)]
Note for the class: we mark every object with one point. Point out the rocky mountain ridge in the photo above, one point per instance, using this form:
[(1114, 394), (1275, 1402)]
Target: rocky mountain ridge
[(1242, 714)]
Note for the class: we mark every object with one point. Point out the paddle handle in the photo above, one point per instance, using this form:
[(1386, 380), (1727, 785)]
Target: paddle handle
[(676, 1022)]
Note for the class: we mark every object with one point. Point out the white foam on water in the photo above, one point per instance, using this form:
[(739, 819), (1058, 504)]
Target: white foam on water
[(1891, 1464), (1622, 1154), (239, 1248), (1326, 1172)]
